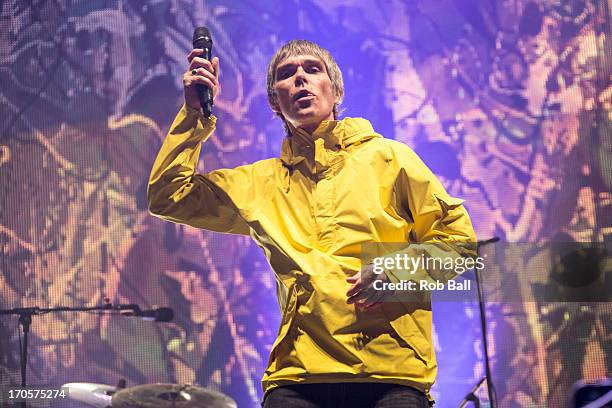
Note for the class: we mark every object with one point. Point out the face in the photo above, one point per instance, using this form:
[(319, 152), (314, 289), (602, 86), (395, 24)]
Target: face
[(304, 92)]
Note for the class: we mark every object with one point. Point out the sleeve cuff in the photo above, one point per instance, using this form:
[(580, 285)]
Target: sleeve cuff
[(203, 123)]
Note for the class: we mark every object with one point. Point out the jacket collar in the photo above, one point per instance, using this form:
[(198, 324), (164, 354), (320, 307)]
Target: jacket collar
[(332, 134)]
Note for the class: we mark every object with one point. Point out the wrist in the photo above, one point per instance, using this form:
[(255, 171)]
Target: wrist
[(192, 109), (195, 119)]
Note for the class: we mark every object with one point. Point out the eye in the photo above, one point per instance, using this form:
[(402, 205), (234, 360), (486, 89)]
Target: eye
[(283, 74), (314, 69)]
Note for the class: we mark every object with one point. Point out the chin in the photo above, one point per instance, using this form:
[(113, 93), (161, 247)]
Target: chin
[(304, 119), (310, 115)]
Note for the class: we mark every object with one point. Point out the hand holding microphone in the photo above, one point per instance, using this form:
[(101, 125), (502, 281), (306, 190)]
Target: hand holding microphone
[(201, 81)]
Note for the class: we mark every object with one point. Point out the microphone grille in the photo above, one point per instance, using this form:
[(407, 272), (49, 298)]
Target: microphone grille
[(201, 33)]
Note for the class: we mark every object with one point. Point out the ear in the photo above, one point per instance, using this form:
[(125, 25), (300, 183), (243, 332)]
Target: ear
[(337, 98), (274, 106)]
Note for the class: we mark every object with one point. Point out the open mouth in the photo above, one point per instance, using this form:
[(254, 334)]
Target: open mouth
[(302, 94)]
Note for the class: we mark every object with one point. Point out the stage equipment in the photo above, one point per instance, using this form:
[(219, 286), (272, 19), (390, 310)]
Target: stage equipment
[(170, 396), (593, 394), (471, 396), (94, 395), (25, 314)]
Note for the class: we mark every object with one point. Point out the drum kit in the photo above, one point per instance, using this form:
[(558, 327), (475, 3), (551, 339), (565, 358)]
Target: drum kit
[(147, 396)]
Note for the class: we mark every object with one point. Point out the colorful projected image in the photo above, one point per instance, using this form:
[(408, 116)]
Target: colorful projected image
[(508, 103)]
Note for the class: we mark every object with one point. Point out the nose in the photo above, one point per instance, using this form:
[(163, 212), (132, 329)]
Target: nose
[(300, 75)]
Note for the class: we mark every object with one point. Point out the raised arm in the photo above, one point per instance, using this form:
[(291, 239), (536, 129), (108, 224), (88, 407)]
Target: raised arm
[(175, 192)]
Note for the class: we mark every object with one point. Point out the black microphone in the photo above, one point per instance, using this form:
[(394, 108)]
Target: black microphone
[(202, 40), (162, 314)]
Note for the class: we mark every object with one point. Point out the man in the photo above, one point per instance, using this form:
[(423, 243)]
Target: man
[(337, 186)]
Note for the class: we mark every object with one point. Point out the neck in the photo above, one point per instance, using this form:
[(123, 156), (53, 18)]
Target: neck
[(308, 128)]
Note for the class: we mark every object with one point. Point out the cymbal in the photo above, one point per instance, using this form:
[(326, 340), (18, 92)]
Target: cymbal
[(170, 396), (92, 394)]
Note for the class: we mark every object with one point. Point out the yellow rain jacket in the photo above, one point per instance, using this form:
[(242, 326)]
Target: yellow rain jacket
[(310, 211)]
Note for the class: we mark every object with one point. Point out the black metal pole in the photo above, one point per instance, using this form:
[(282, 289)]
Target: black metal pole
[(471, 396), (483, 324), (25, 320)]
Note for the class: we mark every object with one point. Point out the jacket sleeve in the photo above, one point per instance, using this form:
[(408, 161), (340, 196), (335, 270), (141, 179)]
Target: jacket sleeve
[(176, 193), (441, 227)]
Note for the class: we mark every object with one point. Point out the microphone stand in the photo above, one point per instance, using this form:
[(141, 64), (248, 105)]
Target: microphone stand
[(25, 321), (471, 396)]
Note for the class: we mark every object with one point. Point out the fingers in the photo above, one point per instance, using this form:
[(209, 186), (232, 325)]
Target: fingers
[(203, 67), (194, 53), (353, 290), (215, 64), (359, 294), (356, 287), (190, 79), (365, 296), (204, 73), (362, 293), (372, 302), (198, 62), (200, 72)]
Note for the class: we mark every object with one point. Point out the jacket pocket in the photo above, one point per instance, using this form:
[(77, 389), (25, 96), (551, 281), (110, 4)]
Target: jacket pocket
[(405, 327)]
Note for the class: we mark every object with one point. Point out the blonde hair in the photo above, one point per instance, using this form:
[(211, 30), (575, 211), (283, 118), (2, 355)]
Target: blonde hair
[(305, 47)]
